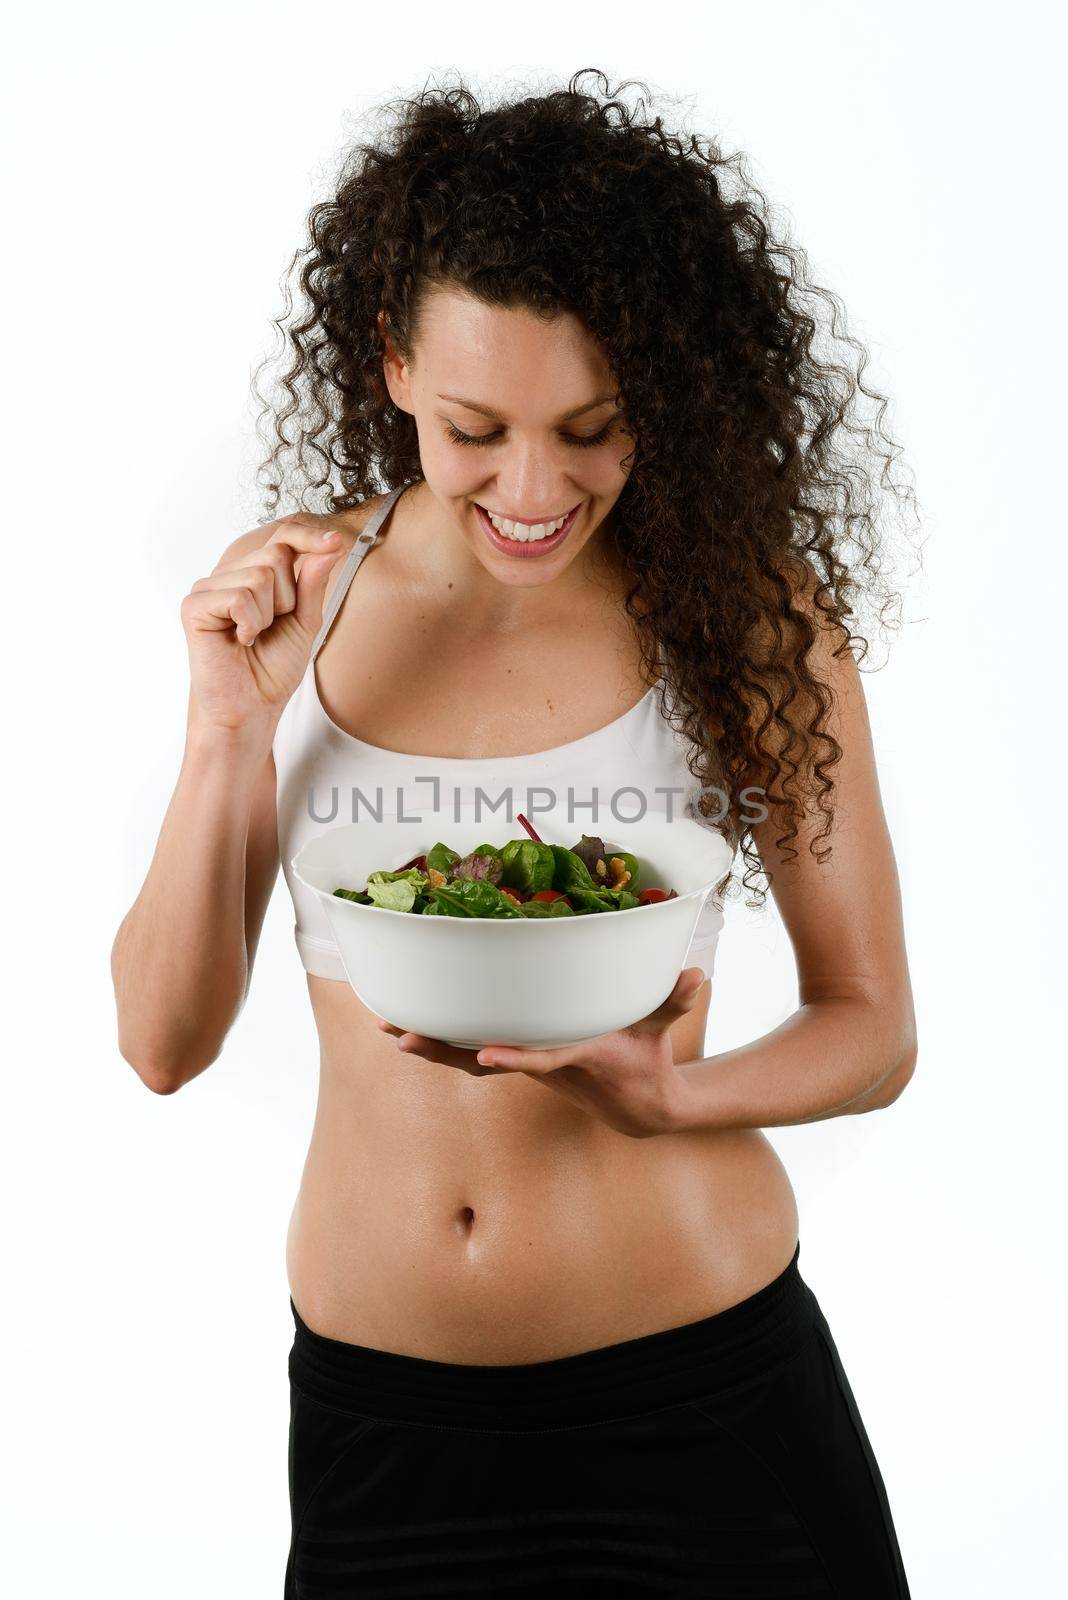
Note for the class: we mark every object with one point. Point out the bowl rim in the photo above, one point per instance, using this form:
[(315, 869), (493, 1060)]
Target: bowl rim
[(328, 895)]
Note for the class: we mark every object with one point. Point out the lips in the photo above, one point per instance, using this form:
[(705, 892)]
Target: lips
[(527, 549)]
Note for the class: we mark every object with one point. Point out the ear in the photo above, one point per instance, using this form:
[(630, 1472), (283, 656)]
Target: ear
[(394, 368)]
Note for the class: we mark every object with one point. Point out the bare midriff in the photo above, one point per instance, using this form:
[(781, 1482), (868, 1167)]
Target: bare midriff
[(489, 1220)]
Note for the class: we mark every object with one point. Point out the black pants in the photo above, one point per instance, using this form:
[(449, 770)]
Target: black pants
[(724, 1458)]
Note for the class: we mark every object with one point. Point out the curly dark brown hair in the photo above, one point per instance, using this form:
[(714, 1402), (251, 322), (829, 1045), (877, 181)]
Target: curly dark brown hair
[(753, 511)]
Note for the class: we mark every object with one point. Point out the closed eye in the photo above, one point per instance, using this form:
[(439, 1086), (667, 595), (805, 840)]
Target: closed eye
[(584, 442)]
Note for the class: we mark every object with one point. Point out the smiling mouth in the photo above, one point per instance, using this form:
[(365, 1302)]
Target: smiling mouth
[(520, 532)]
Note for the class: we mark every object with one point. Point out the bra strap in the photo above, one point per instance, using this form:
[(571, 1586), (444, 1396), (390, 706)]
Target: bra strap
[(366, 537)]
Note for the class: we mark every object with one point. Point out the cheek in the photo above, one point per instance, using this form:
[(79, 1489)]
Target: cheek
[(601, 472), (449, 468), (615, 468)]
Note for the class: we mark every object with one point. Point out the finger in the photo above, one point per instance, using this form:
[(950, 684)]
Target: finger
[(678, 1003), (278, 560), (416, 1044), (215, 610), (290, 541), (434, 1050), (441, 1054), (257, 577), (402, 1033), (510, 1059), (302, 553), (311, 590), (304, 535)]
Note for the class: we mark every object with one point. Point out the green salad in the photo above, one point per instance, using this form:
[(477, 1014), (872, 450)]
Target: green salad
[(523, 878)]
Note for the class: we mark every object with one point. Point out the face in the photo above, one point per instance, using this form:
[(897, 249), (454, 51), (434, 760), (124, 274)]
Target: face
[(521, 441)]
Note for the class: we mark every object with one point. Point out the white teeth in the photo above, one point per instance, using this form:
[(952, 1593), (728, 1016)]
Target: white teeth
[(524, 533)]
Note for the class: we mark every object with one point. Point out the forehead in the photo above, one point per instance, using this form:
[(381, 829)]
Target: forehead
[(507, 356)]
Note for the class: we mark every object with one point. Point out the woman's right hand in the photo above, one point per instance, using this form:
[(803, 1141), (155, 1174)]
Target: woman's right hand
[(251, 623)]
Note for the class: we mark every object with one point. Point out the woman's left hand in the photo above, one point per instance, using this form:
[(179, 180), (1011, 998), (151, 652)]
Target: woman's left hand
[(628, 1079)]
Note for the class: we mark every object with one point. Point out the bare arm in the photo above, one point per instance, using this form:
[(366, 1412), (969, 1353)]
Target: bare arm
[(182, 959), (851, 1045)]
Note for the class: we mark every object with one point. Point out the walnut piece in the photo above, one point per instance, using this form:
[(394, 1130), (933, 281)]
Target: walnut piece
[(619, 873)]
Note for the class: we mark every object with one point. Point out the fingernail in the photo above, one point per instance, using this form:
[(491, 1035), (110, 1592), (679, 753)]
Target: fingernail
[(330, 534)]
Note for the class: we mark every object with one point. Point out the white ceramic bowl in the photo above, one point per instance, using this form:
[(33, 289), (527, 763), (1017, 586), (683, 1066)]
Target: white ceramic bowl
[(538, 983)]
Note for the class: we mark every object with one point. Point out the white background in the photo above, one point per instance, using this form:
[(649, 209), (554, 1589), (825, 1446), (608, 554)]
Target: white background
[(162, 164)]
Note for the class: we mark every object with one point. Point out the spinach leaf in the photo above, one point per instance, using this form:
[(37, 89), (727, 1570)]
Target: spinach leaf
[(441, 858), (473, 897), (623, 899), (592, 899), (527, 865), (546, 908), (569, 871)]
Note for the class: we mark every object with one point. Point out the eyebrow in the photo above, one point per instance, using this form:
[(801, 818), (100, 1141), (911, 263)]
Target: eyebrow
[(486, 411)]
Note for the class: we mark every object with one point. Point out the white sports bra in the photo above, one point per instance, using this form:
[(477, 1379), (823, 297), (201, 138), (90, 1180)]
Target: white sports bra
[(327, 777)]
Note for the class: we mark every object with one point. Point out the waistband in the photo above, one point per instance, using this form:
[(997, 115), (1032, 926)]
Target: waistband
[(698, 1360)]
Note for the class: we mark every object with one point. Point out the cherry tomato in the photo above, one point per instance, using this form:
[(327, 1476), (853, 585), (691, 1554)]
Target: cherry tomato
[(549, 894), (652, 897)]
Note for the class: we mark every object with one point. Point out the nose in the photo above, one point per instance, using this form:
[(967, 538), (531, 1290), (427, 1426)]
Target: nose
[(530, 488)]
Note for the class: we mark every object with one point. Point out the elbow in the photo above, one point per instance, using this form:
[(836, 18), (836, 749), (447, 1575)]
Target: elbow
[(158, 1076), (160, 1083), (897, 1080), (162, 1074)]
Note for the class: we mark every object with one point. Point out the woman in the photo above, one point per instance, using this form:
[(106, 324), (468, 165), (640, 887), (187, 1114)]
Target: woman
[(550, 1330)]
